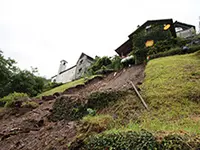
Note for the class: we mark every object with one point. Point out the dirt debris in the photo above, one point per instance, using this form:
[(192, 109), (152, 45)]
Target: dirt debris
[(33, 131)]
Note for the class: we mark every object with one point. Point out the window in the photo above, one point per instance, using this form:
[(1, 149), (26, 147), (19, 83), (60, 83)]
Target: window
[(79, 70), (81, 62)]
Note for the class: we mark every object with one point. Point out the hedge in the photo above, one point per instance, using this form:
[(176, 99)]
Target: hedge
[(176, 51), (131, 140)]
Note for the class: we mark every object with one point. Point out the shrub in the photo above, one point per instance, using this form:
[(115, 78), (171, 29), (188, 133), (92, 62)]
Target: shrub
[(68, 108), (98, 100), (116, 63), (122, 141), (96, 124), (129, 140), (99, 63), (175, 51), (104, 70), (72, 108), (10, 100), (29, 104), (174, 142)]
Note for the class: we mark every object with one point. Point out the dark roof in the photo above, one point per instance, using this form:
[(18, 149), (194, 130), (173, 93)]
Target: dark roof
[(183, 25), (83, 54), (53, 76), (161, 21), (125, 48), (67, 69)]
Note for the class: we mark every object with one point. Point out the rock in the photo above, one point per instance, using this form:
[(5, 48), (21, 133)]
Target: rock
[(48, 98), (56, 94)]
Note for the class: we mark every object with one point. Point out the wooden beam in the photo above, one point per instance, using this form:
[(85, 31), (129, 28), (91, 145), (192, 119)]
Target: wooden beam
[(138, 94)]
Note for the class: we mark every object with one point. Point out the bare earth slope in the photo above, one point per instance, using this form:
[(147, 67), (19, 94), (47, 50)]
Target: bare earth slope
[(34, 131)]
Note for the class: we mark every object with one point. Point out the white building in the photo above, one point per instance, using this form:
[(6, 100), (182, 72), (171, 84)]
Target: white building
[(75, 72)]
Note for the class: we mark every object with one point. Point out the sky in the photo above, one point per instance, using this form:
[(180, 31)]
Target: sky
[(40, 33)]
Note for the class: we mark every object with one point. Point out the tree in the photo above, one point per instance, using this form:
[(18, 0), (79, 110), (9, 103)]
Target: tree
[(7, 68), (12, 79)]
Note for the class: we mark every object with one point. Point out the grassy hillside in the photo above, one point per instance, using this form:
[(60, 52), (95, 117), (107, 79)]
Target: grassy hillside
[(63, 87), (172, 90)]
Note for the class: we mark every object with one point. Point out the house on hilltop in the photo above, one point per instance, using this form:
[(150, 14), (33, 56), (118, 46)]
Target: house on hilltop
[(177, 29), (75, 72)]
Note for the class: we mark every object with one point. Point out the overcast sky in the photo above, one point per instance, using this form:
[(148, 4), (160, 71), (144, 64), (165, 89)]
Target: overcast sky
[(40, 33)]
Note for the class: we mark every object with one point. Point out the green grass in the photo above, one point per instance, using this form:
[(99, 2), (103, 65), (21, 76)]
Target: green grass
[(172, 90), (63, 87)]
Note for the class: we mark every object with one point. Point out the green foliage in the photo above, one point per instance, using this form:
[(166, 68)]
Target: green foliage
[(10, 99), (162, 46), (50, 85), (99, 100), (68, 108), (174, 142), (27, 82), (175, 51), (96, 123), (6, 71), (91, 112), (29, 104), (116, 63), (103, 70), (123, 141), (15, 80), (65, 86), (99, 63), (131, 140), (139, 39), (171, 89)]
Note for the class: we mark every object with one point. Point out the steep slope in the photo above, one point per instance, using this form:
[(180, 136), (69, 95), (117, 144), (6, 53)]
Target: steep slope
[(172, 90), (34, 130)]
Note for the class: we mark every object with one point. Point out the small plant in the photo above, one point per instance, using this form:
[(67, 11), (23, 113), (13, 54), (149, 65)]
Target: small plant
[(29, 104), (91, 112), (96, 124), (12, 98), (100, 100), (123, 140)]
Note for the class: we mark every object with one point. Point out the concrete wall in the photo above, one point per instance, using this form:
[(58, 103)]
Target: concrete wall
[(82, 66), (66, 76)]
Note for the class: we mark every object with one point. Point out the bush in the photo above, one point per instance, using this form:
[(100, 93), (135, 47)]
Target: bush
[(176, 51), (98, 100), (99, 63), (10, 100), (116, 63), (129, 140), (29, 104), (96, 124), (68, 108), (104, 70), (122, 141), (174, 142), (72, 108)]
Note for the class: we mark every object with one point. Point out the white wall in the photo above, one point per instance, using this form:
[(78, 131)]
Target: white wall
[(83, 66), (66, 76), (186, 33), (53, 79)]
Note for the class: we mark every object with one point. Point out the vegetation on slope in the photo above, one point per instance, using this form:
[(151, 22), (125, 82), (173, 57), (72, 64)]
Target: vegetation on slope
[(172, 90), (65, 86)]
